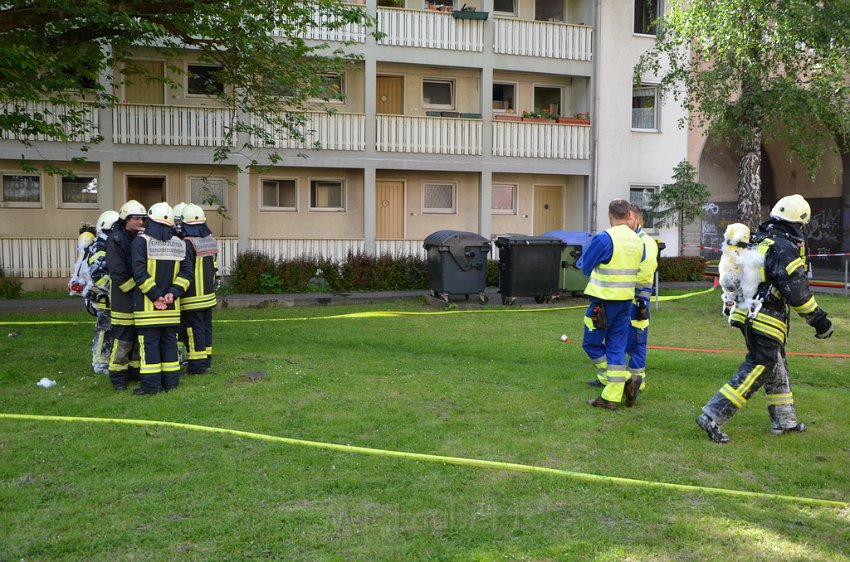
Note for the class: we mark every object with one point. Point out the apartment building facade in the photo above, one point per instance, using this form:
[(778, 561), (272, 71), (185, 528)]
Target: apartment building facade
[(429, 135)]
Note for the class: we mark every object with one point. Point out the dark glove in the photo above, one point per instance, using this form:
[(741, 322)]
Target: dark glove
[(642, 310), (823, 328)]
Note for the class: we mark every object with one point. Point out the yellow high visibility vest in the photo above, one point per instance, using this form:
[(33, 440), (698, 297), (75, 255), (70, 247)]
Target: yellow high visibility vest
[(615, 280)]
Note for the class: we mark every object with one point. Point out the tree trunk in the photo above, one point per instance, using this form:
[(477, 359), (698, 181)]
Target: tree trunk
[(749, 180)]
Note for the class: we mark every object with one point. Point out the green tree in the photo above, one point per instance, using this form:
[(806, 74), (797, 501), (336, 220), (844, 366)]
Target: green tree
[(755, 70), (56, 54), (681, 202)]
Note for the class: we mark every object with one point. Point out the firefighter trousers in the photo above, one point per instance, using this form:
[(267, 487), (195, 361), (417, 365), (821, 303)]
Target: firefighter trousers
[(197, 335), (160, 365)]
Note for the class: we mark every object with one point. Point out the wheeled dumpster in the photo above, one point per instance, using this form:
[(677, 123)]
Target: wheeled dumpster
[(457, 264), (529, 266), (570, 278)]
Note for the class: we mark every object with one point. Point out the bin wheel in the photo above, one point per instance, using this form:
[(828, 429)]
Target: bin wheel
[(467, 297), (483, 299), (444, 296), (539, 300), (504, 299)]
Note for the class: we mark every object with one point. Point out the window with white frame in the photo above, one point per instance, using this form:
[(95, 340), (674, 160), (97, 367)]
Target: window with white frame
[(438, 198), (202, 80), (327, 195), (645, 107), (547, 99), (641, 195), (438, 93), (505, 6), (646, 14), (279, 195), (79, 191), (503, 199), (21, 190), (504, 96), (210, 192)]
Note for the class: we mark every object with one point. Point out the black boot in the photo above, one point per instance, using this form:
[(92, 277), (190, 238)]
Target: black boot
[(170, 380), (149, 384), (118, 380)]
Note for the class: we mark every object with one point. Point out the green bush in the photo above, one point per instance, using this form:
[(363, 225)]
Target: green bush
[(10, 287), (492, 273), (681, 268), (247, 270)]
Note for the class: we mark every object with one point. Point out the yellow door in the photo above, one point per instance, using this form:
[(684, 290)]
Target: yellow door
[(390, 94), (548, 208), (389, 216), (147, 190), (146, 88)]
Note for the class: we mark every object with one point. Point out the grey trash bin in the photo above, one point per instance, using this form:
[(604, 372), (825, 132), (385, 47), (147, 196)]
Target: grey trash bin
[(529, 266), (457, 264)]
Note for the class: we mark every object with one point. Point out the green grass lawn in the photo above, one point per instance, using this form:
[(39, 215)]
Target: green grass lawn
[(496, 385)]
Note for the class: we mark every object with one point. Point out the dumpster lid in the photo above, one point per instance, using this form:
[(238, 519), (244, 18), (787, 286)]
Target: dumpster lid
[(572, 237), (458, 238), (517, 239)]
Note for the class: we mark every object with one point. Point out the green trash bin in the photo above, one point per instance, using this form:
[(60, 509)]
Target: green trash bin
[(529, 267), (571, 279)]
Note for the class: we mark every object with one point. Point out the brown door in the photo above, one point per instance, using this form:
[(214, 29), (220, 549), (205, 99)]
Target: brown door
[(389, 215), (147, 190), (145, 88), (548, 208), (390, 92)]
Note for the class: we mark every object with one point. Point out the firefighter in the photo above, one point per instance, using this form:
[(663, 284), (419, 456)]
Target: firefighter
[(163, 271), (613, 259), (199, 300), (124, 357), (98, 293), (780, 245)]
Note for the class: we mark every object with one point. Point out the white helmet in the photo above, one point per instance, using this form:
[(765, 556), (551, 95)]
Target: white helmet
[(792, 208), (193, 214), (161, 213), (105, 221), (178, 210), (132, 208)]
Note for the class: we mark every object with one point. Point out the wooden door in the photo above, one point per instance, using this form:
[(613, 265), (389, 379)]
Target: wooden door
[(147, 190), (390, 95), (389, 215), (548, 208), (145, 88)]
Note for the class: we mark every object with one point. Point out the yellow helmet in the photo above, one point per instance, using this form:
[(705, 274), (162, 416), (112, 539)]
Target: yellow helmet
[(792, 208), (105, 221), (193, 214), (132, 208), (161, 213), (84, 240)]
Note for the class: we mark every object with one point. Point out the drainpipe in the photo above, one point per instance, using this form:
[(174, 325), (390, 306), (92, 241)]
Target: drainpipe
[(593, 186)]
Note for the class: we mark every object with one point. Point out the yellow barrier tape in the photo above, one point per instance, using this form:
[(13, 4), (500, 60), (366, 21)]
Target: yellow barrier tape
[(460, 461), (375, 314)]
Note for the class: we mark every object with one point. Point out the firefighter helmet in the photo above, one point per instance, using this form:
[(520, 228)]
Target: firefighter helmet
[(193, 214), (161, 213), (792, 208), (105, 221), (178, 210), (84, 240), (132, 208)]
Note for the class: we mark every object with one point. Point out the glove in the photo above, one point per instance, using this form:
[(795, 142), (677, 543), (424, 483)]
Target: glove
[(823, 328), (642, 310)]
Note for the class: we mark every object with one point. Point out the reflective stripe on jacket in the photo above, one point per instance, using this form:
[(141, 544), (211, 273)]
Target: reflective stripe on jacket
[(615, 280)]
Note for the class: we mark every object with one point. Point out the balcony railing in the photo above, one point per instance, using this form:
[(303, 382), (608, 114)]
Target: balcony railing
[(430, 30), (332, 131), (543, 39), (170, 125), (429, 135), (320, 31), (55, 115), (541, 140)]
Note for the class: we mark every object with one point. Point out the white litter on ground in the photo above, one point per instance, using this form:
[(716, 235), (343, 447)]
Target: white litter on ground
[(46, 382)]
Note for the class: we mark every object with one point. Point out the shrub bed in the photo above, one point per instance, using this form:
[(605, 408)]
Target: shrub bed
[(682, 268)]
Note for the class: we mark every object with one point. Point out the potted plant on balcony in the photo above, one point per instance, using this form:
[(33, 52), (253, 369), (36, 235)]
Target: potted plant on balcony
[(509, 115), (579, 118), (538, 117), (469, 13)]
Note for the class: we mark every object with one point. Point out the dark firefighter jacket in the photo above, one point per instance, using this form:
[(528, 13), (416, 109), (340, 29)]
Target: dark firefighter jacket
[(121, 274), (202, 250)]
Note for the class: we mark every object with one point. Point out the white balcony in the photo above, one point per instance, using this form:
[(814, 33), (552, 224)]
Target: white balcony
[(349, 32), (541, 140), (543, 39), (429, 135), (430, 30), (331, 131), (56, 115), (168, 125)]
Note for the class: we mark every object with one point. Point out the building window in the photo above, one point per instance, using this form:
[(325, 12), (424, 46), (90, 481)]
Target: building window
[(547, 99), (438, 198), (641, 195), (645, 108), (21, 190), (549, 10), (505, 7), (203, 80), (332, 87), (438, 93), (646, 14), (503, 199), (280, 195), (79, 191), (208, 191), (327, 195), (504, 96)]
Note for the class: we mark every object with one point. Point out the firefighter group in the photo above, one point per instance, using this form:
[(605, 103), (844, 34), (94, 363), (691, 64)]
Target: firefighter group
[(150, 276)]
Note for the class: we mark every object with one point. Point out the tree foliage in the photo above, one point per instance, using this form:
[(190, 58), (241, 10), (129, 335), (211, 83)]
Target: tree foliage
[(65, 52), (681, 202), (757, 70)]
